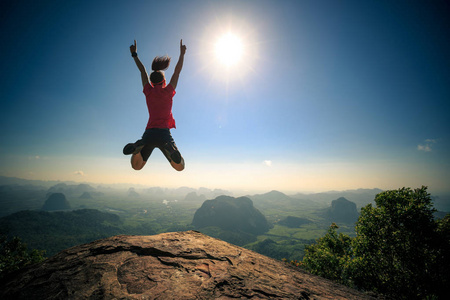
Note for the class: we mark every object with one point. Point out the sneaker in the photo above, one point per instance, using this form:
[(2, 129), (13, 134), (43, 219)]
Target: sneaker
[(133, 148), (173, 152)]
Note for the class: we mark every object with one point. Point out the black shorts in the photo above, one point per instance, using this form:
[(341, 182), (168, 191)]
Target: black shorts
[(162, 139)]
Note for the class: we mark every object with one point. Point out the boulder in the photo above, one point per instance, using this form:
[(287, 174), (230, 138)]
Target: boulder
[(177, 265)]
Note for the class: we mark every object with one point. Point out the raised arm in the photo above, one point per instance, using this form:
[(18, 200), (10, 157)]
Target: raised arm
[(144, 75), (178, 67)]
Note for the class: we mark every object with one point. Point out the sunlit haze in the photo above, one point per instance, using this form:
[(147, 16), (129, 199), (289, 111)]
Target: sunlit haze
[(274, 95)]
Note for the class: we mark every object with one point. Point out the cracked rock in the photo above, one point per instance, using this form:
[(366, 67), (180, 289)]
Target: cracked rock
[(177, 265)]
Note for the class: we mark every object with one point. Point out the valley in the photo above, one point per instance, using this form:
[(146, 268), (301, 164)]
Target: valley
[(101, 211)]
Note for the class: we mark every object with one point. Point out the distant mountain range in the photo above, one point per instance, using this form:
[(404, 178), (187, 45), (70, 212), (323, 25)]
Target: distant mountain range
[(360, 197), (4, 180), (275, 200), (144, 210)]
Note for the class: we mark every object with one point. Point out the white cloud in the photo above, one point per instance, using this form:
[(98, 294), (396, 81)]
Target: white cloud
[(79, 173), (268, 163), (425, 148), (427, 145)]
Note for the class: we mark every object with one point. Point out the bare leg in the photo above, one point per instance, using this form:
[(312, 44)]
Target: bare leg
[(137, 162), (178, 167)]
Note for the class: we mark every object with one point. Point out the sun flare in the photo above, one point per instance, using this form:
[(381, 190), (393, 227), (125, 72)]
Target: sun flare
[(229, 49)]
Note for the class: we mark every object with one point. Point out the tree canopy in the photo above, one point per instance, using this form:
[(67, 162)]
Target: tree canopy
[(14, 255), (399, 250)]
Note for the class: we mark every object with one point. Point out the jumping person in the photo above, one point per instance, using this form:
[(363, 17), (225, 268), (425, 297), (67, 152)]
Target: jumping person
[(159, 97)]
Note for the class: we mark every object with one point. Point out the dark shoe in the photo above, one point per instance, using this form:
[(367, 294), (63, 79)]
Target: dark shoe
[(173, 152), (133, 148)]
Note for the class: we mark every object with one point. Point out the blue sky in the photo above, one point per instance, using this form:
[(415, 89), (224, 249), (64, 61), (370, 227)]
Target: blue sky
[(330, 95)]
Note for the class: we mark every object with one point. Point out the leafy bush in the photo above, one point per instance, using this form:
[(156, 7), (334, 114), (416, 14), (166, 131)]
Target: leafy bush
[(330, 256), (15, 255), (399, 250)]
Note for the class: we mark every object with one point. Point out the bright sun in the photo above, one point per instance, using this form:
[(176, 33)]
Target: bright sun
[(229, 49)]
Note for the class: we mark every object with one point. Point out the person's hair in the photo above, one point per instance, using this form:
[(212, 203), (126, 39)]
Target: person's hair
[(159, 64)]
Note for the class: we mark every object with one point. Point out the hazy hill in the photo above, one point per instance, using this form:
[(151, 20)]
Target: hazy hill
[(343, 211), (56, 201), (442, 202), (132, 193), (194, 197), (4, 180), (361, 197), (14, 198), (67, 189), (176, 265), (182, 192), (86, 195), (278, 200), (273, 197), (55, 231), (228, 213)]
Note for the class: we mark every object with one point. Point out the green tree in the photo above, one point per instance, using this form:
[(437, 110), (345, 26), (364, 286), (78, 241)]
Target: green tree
[(400, 250), (15, 255), (330, 257), (395, 246)]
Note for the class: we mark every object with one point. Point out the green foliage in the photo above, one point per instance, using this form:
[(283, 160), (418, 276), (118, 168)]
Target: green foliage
[(330, 257), (270, 248), (15, 255), (294, 222), (399, 249), (395, 244)]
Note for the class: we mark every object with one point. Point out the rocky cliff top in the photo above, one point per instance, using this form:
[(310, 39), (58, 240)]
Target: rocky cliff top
[(178, 265)]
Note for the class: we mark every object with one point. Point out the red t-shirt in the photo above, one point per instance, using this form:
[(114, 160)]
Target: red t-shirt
[(159, 104)]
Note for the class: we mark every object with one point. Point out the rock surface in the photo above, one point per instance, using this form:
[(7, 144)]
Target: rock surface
[(178, 265)]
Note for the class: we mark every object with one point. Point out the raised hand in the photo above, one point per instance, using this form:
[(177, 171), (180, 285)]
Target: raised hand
[(133, 48), (182, 47)]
